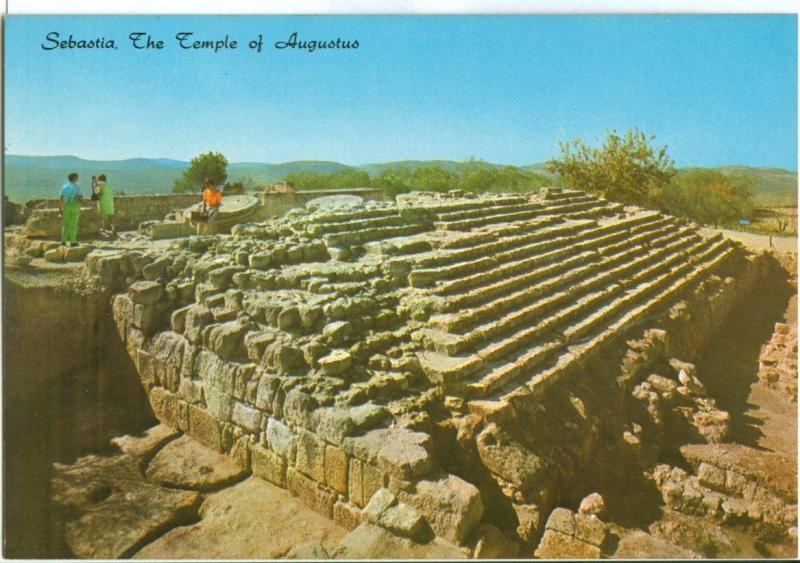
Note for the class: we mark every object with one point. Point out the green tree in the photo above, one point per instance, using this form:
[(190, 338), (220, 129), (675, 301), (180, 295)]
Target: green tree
[(393, 181), (345, 178), (433, 179), (626, 168), (207, 166), (709, 197)]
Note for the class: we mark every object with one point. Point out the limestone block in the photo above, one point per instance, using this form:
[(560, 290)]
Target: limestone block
[(289, 319), (332, 424), (267, 465), (177, 320), (310, 493), (310, 455), (451, 506), (510, 460), (227, 340), (281, 439), (222, 278), (385, 510), (255, 342), (205, 428), (337, 332), (336, 363), (582, 527), (283, 359), (368, 415), (265, 392), (593, 504), (240, 452), (191, 391), (218, 403), (197, 318), (145, 317), (165, 406), (298, 408), (711, 477), (157, 268), (491, 543), (346, 515), (246, 417), (529, 519), (145, 292), (399, 452), (555, 545), (336, 469)]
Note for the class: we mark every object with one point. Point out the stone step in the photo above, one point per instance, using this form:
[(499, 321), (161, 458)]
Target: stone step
[(662, 275), (503, 239), (497, 298), (534, 311), (320, 229), (476, 204), (353, 238), (469, 224), (330, 218), (573, 207), (708, 262), (454, 216), (564, 248), (496, 253), (553, 193)]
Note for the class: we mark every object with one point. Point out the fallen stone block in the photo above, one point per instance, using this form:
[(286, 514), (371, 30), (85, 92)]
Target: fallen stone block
[(491, 543), (451, 506)]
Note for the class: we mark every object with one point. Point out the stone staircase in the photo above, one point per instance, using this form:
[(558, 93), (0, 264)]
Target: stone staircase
[(515, 300)]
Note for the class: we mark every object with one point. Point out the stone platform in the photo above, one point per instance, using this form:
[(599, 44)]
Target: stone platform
[(411, 347)]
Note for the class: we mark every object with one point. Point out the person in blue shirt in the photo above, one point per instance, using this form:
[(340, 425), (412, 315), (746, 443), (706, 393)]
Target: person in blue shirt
[(69, 205)]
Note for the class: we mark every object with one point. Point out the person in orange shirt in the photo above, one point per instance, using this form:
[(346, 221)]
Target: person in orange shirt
[(212, 199)]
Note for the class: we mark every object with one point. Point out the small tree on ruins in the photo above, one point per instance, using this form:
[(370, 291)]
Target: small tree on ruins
[(626, 168), (208, 166)]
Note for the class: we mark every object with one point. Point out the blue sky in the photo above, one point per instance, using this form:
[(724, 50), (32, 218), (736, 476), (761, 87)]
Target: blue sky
[(716, 89)]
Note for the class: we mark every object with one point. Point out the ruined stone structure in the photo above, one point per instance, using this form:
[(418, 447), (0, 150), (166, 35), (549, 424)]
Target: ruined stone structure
[(435, 362), (473, 369)]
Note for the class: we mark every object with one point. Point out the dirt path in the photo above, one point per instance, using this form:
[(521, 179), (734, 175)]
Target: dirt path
[(756, 241)]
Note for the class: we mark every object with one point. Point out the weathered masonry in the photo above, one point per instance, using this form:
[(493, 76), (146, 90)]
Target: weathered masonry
[(461, 352)]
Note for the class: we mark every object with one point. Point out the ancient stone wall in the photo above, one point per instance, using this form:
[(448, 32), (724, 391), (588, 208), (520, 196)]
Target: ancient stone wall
[(43, 220)]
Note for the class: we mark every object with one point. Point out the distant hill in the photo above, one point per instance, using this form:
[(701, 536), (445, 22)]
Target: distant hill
[(31, 177), (772, 187)]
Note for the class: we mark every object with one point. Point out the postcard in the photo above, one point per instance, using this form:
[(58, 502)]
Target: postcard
[(400, 286)]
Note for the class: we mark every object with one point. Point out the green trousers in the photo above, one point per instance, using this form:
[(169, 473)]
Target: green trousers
[(71, 212)]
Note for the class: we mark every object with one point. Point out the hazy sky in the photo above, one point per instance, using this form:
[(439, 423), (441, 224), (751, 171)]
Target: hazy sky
[(715, 89)]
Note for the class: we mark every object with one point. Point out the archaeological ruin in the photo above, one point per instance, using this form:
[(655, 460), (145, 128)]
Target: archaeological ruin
[(438, 375)]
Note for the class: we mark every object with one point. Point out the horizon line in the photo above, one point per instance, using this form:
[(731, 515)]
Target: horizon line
[(730, 164)]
